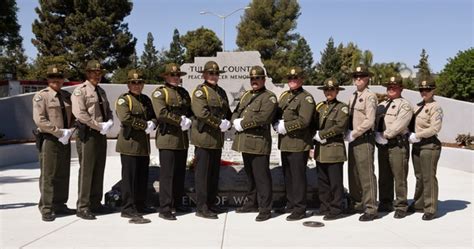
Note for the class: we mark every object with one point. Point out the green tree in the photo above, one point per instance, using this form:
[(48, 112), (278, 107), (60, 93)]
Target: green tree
[(13, 60), (423, 66), (83, 30), (268, 27), (149, 63), (456, 80), (200, 42), (176, 52), (302, 56), (330, 64)]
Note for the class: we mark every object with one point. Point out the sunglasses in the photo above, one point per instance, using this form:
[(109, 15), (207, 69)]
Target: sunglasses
[(393, 87), (136, 82), (257, 78), (214, 73), (293, 77)]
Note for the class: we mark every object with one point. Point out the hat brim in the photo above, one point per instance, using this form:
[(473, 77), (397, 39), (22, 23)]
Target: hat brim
[(425, 87), (141, 80), (364, 74), (180, 74), (52, 75), (392, 83), (337, 88)]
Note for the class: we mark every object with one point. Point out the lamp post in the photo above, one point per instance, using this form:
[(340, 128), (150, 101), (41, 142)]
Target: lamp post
[(223, 17)]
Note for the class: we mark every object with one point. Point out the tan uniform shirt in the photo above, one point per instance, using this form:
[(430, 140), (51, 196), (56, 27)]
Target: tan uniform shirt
[(85, 105), (397, 118), (47, 113), (364, 112), (428, 122)]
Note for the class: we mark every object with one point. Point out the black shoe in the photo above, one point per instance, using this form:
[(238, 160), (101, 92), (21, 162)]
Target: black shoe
[(333, 216), (384, 208), (320, 213), (217, 209), (183, 209), (263, 216), (86, 215), (65, 211), (129, 215), (353, 211), (167, 216), (411, 209), (368, 217), (399, 214), (283, 210), (48, 216), (428, 216), (102, 210), (206, 214), (139, 220), (147, 210), (296, 216), (247, 209)]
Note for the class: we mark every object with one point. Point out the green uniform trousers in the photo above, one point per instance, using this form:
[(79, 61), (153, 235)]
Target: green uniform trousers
[(91, 171), (55, 164), (425, 161), (393, 165), (362, 180)]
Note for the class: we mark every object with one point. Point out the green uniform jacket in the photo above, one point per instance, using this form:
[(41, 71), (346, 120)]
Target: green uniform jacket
[(170, 103), (134, 111), (210, 105), (257, 117), (333, 120), (296, 108)]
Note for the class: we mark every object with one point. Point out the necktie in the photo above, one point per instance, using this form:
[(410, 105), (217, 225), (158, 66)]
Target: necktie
[(351, 115), (63, 110), (381, 127), (101, 104)]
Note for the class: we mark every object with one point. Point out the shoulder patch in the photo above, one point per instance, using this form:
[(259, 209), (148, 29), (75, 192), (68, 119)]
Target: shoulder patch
[(406, 107), (309, 99), (273, 99), (120, 101), (345, 109), (77, 92), (156, 94), (372, 99), (38, 98), (198, 93)]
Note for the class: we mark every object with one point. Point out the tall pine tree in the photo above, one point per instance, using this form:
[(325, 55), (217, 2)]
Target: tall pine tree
[(423, 66), (83, 30), (149, 63), (302, 56), (13, 61), (268, 28), (176, 52), (330, 64)]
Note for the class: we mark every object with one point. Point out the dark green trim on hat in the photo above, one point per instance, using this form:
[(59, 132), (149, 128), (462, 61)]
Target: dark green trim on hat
[(211, 66)]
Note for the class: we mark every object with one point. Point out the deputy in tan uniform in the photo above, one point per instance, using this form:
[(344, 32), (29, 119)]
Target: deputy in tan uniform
[(393, 150), (330, 150), (212, 114), (94, 119), (425, 126), (252, 119), (172, 106), (137, 118), (53, 117), (360, 136), (294, 115)]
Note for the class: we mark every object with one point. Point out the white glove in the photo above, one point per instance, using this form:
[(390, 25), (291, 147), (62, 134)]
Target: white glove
[(106, 126), (67, 133), (413, 138), (237, 125), (281, 127), (380, 139), (348, 136), (225, 125), (318, 138), (150, 127), (185, 123), (275, 126)]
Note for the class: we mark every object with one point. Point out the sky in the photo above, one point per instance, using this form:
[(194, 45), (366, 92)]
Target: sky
[(395, 31)]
